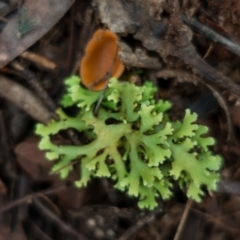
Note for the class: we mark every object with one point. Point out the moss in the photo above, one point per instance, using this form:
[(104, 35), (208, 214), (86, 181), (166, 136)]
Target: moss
[(133, 143)]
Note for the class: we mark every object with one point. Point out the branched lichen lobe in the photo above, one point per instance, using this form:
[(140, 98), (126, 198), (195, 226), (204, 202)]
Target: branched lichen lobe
[(133, 142)]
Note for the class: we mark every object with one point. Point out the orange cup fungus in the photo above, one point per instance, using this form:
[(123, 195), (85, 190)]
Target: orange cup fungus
[(101, 60)]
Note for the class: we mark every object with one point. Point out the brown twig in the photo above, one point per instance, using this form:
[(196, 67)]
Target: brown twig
[(183, 220), (87, 30), (23, 98), (140, 224), (223, 104), (138, 58), (189, 55), (215, 220), (106, 78), (3, 19), (55, 219), (70, 41), (176, 43), (30, 197), (32, 80), (44, 96), (36, 231), (172, 73), (212, 35), (39, 60)]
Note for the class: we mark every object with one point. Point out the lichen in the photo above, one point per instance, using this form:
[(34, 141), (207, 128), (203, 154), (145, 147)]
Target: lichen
[(133, 142)]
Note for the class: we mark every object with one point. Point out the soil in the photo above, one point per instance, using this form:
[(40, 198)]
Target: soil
[(189, 49)]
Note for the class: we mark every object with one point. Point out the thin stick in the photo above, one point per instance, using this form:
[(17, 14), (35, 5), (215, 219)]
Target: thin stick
[(212, 35), (58, 221), (107, 77), (183, 220), (166, 73), (139, 224), (29, 197), (32, 80)]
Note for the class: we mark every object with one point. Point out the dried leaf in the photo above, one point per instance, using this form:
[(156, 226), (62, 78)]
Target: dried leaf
[(40, 17)]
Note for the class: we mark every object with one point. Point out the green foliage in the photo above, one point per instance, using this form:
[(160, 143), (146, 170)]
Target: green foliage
[(132, 142)]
